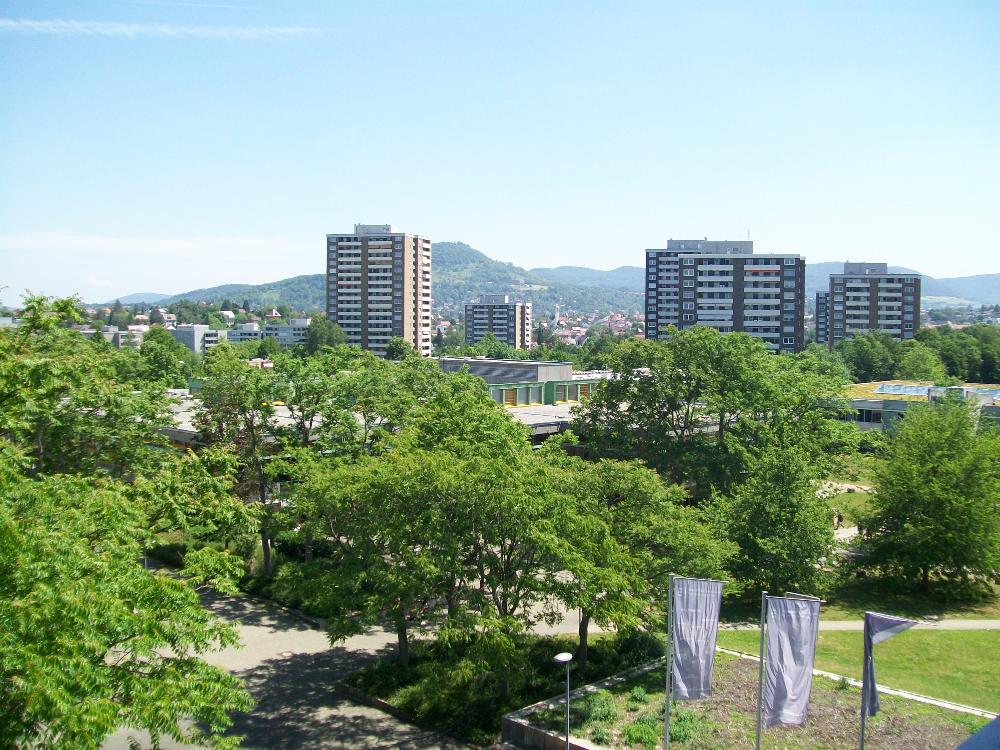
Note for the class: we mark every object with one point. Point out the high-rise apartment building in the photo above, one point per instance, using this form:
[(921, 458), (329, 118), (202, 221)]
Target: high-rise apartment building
[(509, 321), (822, 317), (867, 297), (378, 286), (723, 285)]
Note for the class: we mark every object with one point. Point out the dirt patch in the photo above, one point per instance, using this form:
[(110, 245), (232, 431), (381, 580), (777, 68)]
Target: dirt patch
[(727, 719)]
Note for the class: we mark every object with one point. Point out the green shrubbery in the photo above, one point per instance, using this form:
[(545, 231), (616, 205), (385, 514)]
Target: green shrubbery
[(643, 733), (639, 647), (442, 676)]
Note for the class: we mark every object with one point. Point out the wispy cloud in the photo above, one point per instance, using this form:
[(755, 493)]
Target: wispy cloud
[(62, 27), (222, 6), (94, 281)]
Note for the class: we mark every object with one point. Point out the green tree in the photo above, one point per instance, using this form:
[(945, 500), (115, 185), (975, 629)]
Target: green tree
[(398, 348), (323, 332), (237, 409), (119, 315), (455, 336), (920, 362), (89, 640), (166, 360), (630, 535), (781, 529), (379, 515), (61, 403), (873, 355), (268, 347), (700, 406), (936, 511)]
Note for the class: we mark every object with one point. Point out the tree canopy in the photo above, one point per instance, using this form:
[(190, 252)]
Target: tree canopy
[(936, 511), (90, 640)]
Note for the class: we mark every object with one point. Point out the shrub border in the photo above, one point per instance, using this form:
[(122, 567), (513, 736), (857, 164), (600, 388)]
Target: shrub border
[(518, 731)]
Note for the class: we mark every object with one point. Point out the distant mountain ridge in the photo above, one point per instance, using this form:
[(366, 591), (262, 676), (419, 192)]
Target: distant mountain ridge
[(462, 273), (623, 277), (139, 297)]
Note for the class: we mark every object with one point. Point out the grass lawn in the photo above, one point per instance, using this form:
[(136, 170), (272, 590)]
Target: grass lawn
[(855, 468), (631, 716), (849, 601), (962, 666), (850, 505)]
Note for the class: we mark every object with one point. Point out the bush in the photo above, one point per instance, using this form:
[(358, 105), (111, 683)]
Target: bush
[(601, 734), (637, 694), (874, 442), (683, 723), (640, 733), (638, 647), (600, 706), (651, 720)]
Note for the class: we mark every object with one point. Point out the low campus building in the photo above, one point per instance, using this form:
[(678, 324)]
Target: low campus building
[(878, 404), (515, 382), (197, 337)]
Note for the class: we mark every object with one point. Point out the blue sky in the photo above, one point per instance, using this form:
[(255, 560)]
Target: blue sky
[(162, 146)]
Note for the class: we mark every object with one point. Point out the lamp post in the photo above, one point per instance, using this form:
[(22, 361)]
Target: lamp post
[(566, 658)]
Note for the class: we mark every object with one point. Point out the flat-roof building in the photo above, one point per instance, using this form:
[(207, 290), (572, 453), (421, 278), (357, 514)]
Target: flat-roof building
[(878, 404), (197, 337), (723, 285), (867, 297), (130, 337), (378, 286), (510, 322), (528, 383)]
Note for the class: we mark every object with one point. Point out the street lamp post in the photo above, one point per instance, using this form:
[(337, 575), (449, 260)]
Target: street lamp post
[(566, 658)]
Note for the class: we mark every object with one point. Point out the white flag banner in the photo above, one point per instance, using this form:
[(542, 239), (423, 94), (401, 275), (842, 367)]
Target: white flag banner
[(878, 628), (696, 626), (792, 628)]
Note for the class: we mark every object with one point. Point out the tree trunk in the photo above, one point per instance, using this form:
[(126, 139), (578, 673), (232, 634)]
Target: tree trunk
[(452, 600), (925, 579), (307, 551), (581, 654), (265, 546), (403, 641)]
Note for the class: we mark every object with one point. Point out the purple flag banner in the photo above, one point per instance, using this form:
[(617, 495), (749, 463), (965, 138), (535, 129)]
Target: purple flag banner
[(792, 628), (696, 625), (878, 628)]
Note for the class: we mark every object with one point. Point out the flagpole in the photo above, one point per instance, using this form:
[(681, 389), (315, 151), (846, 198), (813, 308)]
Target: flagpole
[(864, 693), (670, 663), (760, 667)]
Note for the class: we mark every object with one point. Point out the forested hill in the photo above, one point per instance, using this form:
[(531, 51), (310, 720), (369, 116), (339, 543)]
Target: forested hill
[(623, 277), (461, 273), (299, 292)]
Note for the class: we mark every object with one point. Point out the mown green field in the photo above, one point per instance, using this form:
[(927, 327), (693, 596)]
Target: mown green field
[(962, 666)]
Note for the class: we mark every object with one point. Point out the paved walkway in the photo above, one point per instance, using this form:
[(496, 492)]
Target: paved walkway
[(289, 667)]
